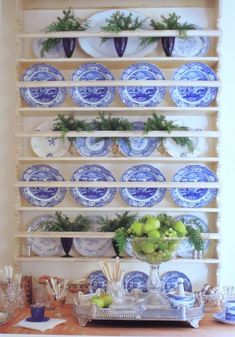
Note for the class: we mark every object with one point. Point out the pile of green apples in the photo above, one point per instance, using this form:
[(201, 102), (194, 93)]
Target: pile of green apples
[(104, 300), (154, 239)]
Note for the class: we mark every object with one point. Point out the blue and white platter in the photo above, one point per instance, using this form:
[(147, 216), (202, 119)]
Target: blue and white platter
[(43, 246), (92, 96), (135, 280), (185, 248), (92, 146), (43, 96), (93, 247), (194, 197), (140, 196), (138, 146), (220, 316), (42, 196), (139, 95), (169, 281), (91, 196), (97, 280), (191, 46), (48, 146), (194, 96)]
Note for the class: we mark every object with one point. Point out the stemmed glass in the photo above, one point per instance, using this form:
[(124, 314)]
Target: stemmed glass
[(154, 251)]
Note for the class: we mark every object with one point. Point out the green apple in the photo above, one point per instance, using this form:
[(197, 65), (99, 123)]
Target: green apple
[(99, 301), (180, 228), (137, 228), (108, 300), (148, 247), (154, 234), (151, 224)]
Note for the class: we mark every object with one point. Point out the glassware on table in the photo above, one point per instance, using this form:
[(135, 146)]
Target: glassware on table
[(154, 251)]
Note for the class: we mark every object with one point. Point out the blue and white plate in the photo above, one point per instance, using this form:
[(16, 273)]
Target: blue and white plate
[(42, 196), (42, 97), (97, 280), (185, 248), (194, 197), (93, 247), (92, 96), (191, 46), (140, 196), (169, 281), (138, 146), (91, 196), (194, 96), (135, 280), (44, 246), (48, 146), (139, 95), (92, 146), (220, 316)]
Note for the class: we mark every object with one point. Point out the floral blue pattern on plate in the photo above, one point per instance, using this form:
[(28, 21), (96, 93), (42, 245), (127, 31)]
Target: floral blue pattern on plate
[(92, 146), (185, 248), (220, 316), (93, 247), (169, 281), (139, 95), (44, 246), (135, 280), (191, 46), (194, 96), (138, 146), (97, 280), (92, 96), (42, 97), (194, 197), (42, 196), (140, 196), (91, 196)]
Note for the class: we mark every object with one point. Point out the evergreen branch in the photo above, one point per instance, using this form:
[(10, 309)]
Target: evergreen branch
[(121, 220), (62, 223), (195, 238)]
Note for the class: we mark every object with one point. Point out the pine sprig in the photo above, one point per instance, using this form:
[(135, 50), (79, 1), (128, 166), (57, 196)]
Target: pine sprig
[(119, 21), (121, 237), (110, 123), (195, 238), (63, 223), (121, 220), (160, 123), (168, 23), (69, 123), (69, 22)]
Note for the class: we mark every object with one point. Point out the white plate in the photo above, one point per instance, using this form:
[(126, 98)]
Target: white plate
[(95, 48), (94, 247), (48, 146), (55, 52)]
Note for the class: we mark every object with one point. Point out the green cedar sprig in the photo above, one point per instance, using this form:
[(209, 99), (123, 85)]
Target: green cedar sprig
[(168, 23), (69, 123), (63, 223), (121, 237), (121, 220), (156, 122), (69, 22), (195, 238)]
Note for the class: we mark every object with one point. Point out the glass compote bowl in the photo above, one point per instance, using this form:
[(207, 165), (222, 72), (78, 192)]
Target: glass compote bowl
[(154, 251)]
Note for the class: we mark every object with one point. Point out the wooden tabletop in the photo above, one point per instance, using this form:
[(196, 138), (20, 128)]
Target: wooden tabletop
[(209, 327)]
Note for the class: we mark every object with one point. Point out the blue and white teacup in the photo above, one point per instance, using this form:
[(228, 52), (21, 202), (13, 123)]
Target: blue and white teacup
[(230, 310)]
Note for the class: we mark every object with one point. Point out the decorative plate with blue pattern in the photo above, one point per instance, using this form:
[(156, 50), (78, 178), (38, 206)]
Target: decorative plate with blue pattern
[(138, 146), (139, 95), (185, 248), (169, 281), (221, 317), (194, 96), (44, 246), (135, 280), (43, 97), (91, 196), (140, 196), (92, 96), (97, 280), (194, 197), (42, 196), (92, 146), (93, 246)]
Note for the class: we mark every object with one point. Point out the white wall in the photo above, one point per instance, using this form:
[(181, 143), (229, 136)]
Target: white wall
[(227, 124)]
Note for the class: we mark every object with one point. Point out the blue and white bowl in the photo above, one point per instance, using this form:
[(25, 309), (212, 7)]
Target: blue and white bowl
[(178, 301), (42, 97), (194, 96), (92, 96), (139, 95)]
